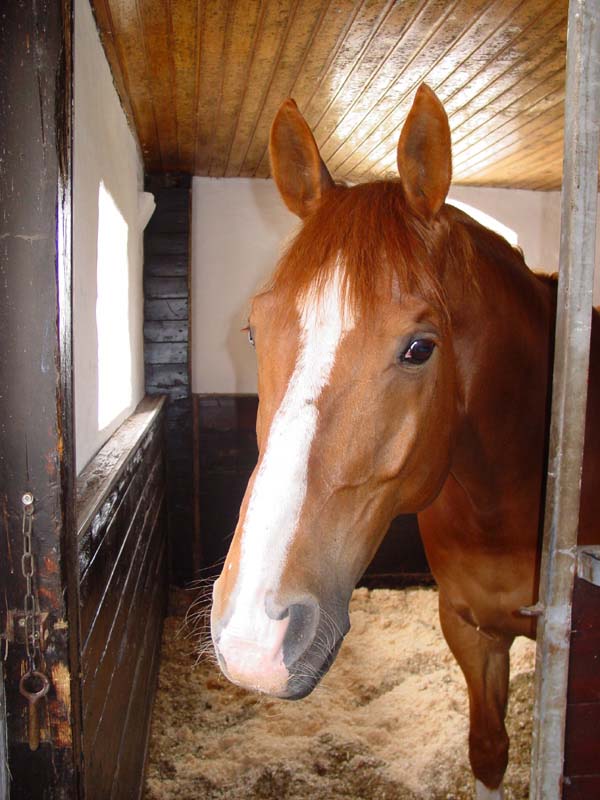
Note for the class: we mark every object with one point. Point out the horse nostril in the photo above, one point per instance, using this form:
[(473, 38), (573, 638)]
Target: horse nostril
[(274, 609), (302, 623), (302, 626)]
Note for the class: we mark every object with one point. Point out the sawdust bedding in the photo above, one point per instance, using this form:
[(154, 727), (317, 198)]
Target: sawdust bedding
[(388, 722)]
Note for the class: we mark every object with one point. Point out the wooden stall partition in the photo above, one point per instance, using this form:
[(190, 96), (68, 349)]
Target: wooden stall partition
[(123, 592), (225, 453), (167, 354)]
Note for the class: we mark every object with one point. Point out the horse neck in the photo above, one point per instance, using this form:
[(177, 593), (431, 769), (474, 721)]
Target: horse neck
[(503, 342)]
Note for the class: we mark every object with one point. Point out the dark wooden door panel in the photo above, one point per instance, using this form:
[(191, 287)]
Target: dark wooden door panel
[(582, 743), (36, 446)]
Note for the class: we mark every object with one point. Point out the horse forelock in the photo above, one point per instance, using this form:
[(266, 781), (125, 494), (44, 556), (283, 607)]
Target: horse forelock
[(370, 236)]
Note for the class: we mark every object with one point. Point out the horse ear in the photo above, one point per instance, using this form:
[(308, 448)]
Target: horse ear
[(424, 154), (298, 170)]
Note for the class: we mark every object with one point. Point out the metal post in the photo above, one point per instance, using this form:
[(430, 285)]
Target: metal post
[(573, 324)]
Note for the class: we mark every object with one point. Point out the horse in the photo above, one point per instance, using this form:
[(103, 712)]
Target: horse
[(404, 359)]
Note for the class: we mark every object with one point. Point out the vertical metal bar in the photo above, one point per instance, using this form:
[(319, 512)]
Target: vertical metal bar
[(573, 325)]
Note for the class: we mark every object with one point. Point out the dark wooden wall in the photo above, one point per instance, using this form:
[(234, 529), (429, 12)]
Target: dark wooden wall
[(36, 423), (582, 738), (167, 354), (123, 594), (226, 454)]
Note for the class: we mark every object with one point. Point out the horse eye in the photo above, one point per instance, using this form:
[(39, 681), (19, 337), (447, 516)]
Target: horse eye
[(247, 329), (418, 351)]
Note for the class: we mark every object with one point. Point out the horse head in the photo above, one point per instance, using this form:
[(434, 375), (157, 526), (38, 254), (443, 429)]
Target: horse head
[(357, 388)]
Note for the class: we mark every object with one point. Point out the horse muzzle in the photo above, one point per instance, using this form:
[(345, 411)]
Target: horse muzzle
[(280, 650)]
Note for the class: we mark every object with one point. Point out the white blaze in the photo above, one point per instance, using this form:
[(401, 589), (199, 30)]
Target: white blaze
[(279, 489)]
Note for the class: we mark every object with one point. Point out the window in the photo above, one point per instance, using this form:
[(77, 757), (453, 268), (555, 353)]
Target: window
[(112, 311)]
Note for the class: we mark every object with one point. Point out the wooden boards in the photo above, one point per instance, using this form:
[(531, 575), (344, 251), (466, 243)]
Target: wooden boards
[(167, 342), (582, 743), (36, 422), (123, 594), (202, 80)]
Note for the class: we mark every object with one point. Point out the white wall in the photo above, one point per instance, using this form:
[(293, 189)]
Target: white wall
[(238, 228), (105, 152), (535, 216)]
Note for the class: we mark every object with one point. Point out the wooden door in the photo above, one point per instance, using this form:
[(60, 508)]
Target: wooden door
[(36, 446)]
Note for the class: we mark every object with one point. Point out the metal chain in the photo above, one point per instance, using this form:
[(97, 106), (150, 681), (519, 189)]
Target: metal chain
[(30, 606)]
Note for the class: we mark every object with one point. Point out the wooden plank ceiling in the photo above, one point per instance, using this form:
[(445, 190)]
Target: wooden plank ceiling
[(202, 79)]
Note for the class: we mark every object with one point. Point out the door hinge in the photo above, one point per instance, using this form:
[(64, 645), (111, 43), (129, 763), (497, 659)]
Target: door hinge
[(16, 630)]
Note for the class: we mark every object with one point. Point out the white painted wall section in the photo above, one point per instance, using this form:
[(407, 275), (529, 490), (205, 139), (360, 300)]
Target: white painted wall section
[(108, 208), (239, 227), (535, 216)]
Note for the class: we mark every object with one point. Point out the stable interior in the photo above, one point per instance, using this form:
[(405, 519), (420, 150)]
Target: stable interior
[(176, 224)]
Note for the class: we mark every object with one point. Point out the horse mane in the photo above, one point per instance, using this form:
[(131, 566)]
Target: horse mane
[(487, 242), (549, 279), (384, 248)]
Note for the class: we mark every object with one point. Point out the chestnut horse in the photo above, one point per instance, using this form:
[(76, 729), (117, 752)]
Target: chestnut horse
[(403, 367)]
